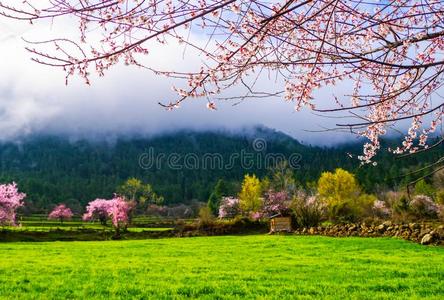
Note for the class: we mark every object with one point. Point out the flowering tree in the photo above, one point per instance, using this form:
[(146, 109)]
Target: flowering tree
[(116, 209), (61, 212), (255, 216), (10, 200), (276, 203), (390, 51), (229, 207), (97, 210)]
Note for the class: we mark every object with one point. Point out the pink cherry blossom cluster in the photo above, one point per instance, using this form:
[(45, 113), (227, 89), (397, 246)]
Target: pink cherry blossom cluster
[(116, 209), (119, 211), (61, 212), (97, 210), (276, 203), (255, 216), (391, 51), (10, 200), (229, 207)]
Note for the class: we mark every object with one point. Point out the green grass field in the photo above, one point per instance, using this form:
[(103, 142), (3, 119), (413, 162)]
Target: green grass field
[(40, 224), (93, 226), (233, 267)]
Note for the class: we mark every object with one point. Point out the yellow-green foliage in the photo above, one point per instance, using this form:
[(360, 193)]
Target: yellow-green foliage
[(265, 184), (338, 187), (341, 193), (440, 197), (250, 195), (135, 190), (364, 204), (423, 188), (205, 216)]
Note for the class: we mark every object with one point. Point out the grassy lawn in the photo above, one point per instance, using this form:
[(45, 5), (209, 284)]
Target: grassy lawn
[(234, 267)]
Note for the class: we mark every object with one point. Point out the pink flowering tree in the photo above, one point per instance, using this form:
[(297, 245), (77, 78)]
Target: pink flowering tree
[(229, 207), (61, 213), (116, 209), (276, 203), (119, 211), (97, 210), (387, 55), (10, 200), (255, 216)]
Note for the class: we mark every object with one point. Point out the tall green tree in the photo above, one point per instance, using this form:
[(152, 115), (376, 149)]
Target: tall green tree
[(220, 190)]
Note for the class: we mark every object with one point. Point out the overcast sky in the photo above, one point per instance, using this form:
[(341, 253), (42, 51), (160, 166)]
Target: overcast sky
[(34, 99)]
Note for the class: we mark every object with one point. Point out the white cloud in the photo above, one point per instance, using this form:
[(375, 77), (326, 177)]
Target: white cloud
[(34, 99)]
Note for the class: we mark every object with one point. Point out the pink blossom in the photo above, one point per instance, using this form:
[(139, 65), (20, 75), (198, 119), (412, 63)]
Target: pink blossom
[(116, 209), (276, 203), (391, 53), (61, 212), (97, 209), (256, 215), (229, 207), (119, 210), (10, 200)]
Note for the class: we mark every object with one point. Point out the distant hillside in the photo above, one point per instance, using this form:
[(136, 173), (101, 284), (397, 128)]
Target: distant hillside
[(187, 164)]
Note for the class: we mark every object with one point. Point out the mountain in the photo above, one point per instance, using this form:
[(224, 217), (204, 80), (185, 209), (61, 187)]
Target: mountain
[(181, 166)]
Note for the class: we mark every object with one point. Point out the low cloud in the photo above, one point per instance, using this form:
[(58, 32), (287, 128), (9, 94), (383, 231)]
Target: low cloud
[(35, 100)]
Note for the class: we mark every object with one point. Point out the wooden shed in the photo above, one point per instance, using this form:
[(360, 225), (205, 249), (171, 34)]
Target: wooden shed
[(279, 223)]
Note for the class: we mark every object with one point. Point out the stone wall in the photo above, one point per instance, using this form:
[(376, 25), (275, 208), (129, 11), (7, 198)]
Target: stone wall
[(423, 233)]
